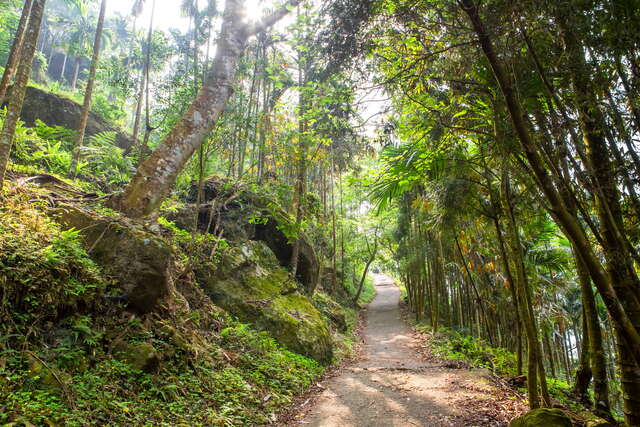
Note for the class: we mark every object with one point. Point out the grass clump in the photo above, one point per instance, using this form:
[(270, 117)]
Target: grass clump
[(455, 345)]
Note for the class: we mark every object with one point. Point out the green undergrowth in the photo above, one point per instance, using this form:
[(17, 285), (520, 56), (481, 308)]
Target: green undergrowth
[(69, 356), (103, 167), (455, 345), (368, 290)]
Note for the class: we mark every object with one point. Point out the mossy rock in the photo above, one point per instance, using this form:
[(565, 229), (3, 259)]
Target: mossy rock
[(141, 356), (331, 310), (542, 417), (235, 222), (47, 377), (140, 261), (56, 110), (599, 423), (250, 285)]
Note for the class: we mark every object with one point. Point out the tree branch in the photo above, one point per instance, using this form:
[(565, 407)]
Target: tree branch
[(271, 19)]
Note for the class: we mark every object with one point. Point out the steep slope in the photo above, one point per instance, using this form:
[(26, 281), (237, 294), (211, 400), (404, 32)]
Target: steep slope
[(105, 321)]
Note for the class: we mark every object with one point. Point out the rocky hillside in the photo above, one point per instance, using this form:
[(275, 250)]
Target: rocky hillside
[(55, 110), (100, 314)]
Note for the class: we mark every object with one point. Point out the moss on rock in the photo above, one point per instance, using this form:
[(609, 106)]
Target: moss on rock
[(332, 311), (542, 417), (250, 284), (141, 356), (140, 261)]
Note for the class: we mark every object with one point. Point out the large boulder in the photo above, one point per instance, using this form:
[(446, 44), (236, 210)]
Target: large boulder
[(247, 216), (139, 261), (542, 417), (55, 110), (251, 284), (308, 269)]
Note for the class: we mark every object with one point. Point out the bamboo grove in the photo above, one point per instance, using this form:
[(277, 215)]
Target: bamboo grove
[(513, 160)]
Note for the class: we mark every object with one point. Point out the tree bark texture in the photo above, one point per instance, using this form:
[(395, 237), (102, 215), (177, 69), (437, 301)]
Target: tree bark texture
[(16, 49), (20, 86)]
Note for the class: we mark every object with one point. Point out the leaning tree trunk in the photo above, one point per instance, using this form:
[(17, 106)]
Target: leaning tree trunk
[(88, 93), (607, 203), (20, 87), (567, 222), (157, 175), (16, 49)]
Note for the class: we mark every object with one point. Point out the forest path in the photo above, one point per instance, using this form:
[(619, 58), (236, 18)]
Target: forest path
[(392, 385)]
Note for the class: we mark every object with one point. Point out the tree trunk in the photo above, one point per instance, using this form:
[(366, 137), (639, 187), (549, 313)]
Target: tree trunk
[(16, 49), (88, 93), (607, 197), (567, 222), (76, 71), (20, 86), (372, 257), (63, 68), (157, 175), (301, 178), (593, 340), (536, 374)]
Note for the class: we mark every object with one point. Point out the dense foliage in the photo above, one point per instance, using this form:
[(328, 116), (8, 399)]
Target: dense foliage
[(485, 153)]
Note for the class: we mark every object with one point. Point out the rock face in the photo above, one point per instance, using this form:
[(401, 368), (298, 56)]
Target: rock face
[(55, 110), (331, 310), (252, 285), (235, 213), (248, 282), (308, 270), (542, 417), (139, 261)]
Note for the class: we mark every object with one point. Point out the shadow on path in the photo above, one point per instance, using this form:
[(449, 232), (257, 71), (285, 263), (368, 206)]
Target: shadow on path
[(391, 385)]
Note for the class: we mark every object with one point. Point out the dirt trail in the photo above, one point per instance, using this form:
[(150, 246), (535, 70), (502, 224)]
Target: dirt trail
[(391, 385)]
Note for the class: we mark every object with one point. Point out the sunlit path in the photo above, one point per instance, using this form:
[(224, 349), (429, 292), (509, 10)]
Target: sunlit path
[(390, 385)]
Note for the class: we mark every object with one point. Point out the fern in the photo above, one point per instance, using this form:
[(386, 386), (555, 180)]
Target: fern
[(107, 161)]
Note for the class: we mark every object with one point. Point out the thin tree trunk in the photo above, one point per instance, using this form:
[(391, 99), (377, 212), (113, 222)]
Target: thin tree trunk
[(301, 178), (63, 68), (20, 86), (536, 374), (144, 88), (76, 71), (88, 93), (16, 50), (372, 256), (593, 340)]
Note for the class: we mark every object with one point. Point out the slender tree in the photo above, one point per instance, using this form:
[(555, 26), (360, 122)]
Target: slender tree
[(20, 86), (88, 93), (16, 49)]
